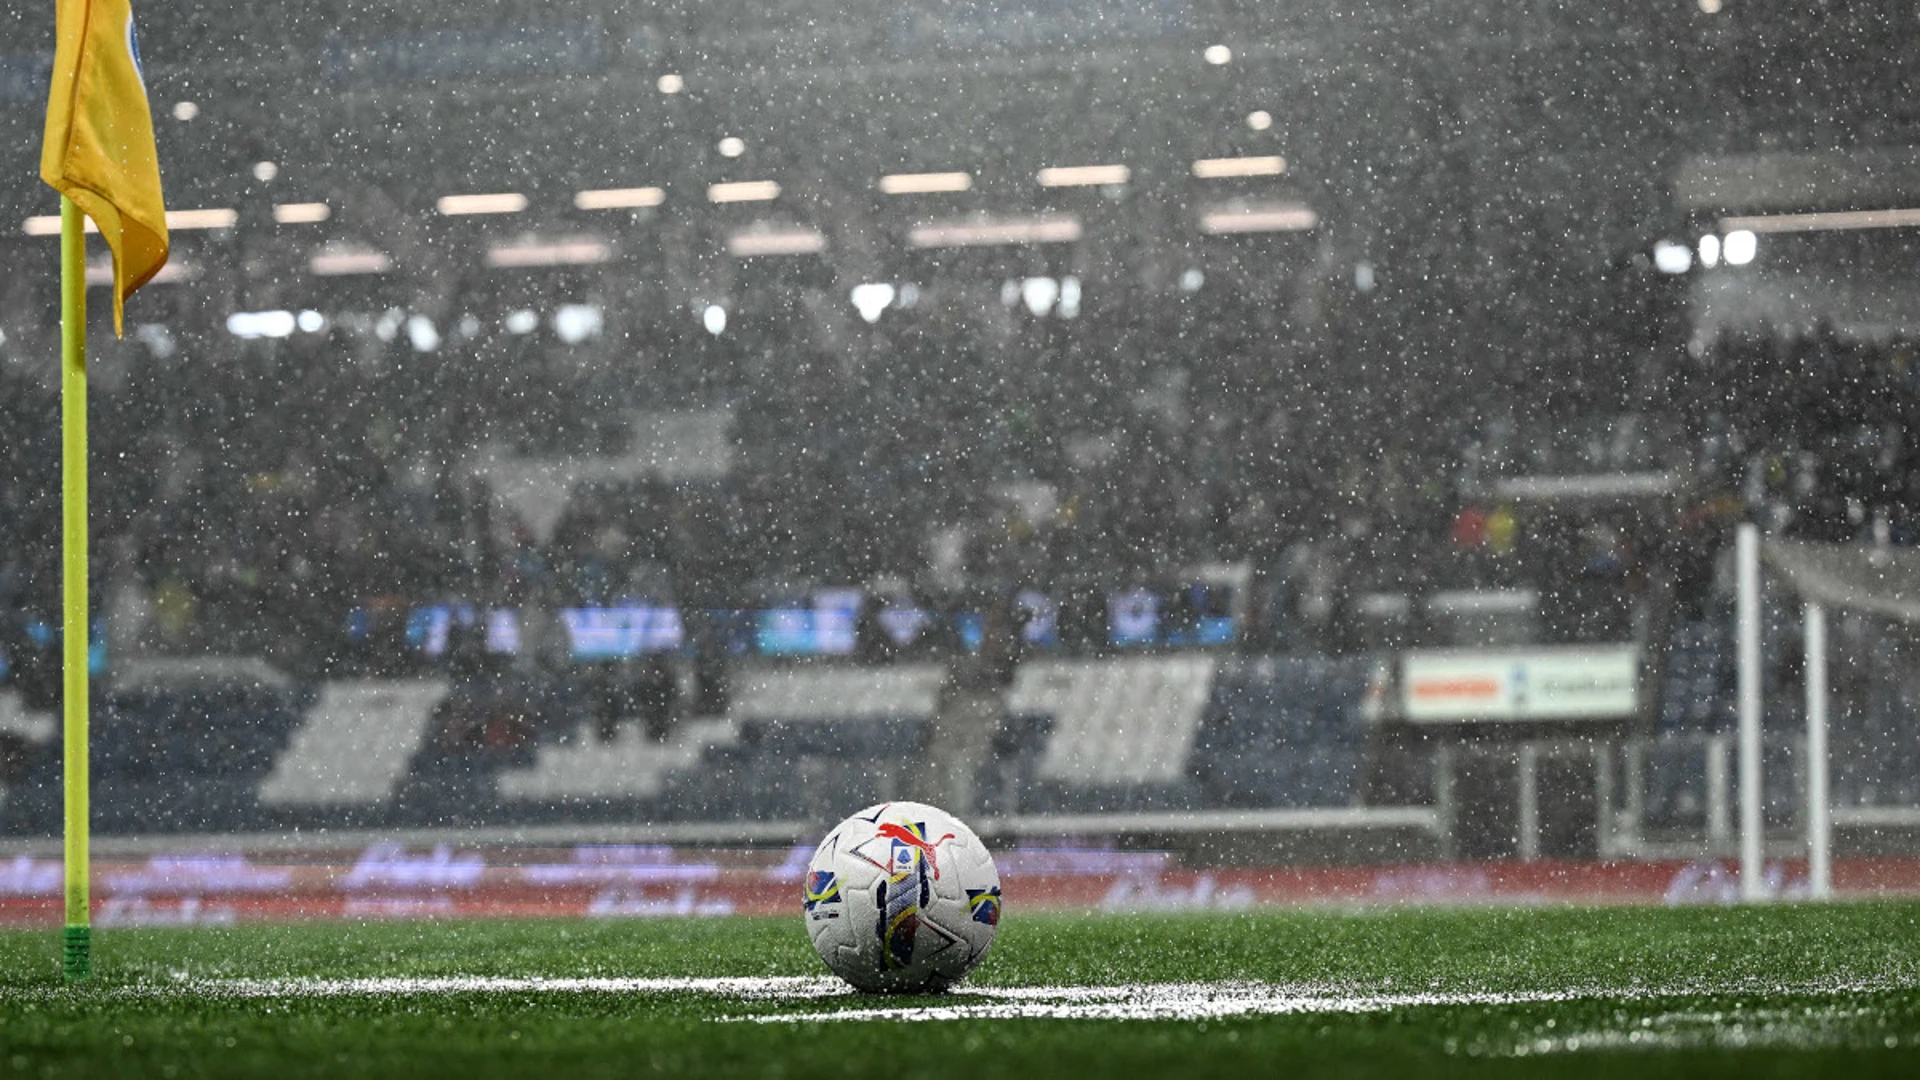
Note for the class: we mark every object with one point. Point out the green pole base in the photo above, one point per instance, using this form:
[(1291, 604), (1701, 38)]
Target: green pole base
[(77, 952)]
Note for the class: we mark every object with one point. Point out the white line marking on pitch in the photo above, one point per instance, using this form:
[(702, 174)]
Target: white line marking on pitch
[(747, 988), (1190, 1000)]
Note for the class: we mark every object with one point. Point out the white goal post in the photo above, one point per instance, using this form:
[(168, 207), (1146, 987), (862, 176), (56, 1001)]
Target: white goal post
[(1879, 580)]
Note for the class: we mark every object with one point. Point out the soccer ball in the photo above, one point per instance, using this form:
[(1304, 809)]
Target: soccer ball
[(902, 898)]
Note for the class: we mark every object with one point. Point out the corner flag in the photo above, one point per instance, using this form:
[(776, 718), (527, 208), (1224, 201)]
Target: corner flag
[(99, 154), (99, 149)]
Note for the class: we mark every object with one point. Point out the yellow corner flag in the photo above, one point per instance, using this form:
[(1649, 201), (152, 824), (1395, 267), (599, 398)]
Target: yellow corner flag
[(99, 148)]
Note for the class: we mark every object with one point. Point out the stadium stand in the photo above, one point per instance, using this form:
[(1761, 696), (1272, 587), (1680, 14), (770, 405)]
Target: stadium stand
[(170, 758), (1116, 722), (355, 745), (631, 766), (1284, 732)]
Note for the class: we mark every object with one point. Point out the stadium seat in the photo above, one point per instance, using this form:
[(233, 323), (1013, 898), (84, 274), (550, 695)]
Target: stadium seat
[(355, 745)]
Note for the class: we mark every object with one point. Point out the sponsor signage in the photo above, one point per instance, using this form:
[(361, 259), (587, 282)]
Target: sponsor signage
[(1571, 683), (389, 882)]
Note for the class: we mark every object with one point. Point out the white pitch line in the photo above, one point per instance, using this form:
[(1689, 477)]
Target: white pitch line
[(1190, 1001), (745, 988), (1165, 1001)]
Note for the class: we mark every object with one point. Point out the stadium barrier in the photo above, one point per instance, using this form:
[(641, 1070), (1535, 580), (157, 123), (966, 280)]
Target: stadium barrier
[(389, 881)]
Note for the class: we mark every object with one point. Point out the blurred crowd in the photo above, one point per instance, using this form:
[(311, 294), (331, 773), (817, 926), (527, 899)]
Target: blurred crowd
[(259, 495)]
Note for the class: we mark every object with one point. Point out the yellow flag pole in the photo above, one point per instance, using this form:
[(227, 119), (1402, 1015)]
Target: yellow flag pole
[(77, 938)]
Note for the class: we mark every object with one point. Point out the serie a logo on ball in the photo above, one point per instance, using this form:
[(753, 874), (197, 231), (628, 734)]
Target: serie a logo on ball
[(902, 898)]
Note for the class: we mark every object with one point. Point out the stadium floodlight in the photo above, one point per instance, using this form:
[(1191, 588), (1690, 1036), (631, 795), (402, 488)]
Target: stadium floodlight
[(732, 146), (265, 171), (1259, 119), (49, 225), (632, 198), (1709, 251), (766, 240), (1217, 55), (1672, 258), (1084, 175), (261, 324), (211, 218), (925, 183), (991, 232), (1228, 168), (504, 202), (301, 213), (185, 110), (714, 318), (1838, 221), (575, 323), (670, 84), (1739, 247), (872, 298), (1258, 218), (743, 191), (344, 261), (100, 272), (1040, 294), (422, 334), (567, 251)]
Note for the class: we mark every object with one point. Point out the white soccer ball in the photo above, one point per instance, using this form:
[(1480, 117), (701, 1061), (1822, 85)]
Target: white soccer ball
[(902, 898)]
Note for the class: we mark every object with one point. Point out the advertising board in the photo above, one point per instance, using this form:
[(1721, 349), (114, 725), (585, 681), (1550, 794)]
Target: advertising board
[(1550, 683)]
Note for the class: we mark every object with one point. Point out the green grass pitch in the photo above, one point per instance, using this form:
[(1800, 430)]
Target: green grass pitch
[(1747, 992)]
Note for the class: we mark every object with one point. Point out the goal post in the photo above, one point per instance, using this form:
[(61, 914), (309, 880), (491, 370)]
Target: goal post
[(1878, 581)]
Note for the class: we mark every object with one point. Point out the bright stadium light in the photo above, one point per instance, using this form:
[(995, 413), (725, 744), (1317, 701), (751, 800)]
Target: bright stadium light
[(872, 298), (422, 334), (1709, 251), (1084, 175), (1069, 306), (1226, 168), (732, 146), (1836, 221), (993, 232), (1258, 218), (301, 213), (575, 323), (743, 191), (633, 198), (670, 84), (1739, 247), (1259, 119), (185, 110), (211, 218), (504, 202), (522, 321), (1040, 294), (566, 251), (1217, 55), (714, 318), (925, 183), (1672, 258), (763, 240), (261, 324), (49, 225), (311, 321), (343, 260), (265, 171)]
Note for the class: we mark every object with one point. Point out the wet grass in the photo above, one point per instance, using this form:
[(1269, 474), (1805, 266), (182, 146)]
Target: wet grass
[(1776, 991)]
